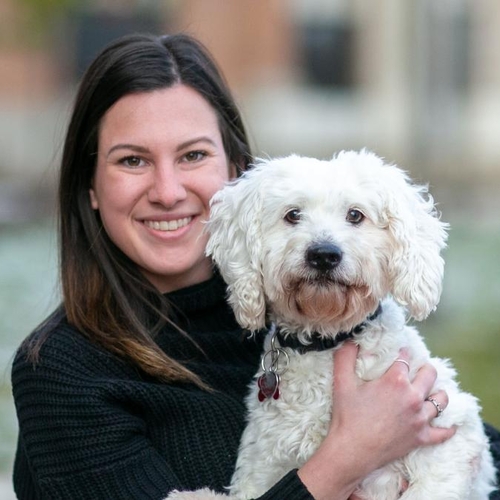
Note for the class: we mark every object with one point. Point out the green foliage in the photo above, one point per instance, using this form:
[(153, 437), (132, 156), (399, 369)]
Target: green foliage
[(46, 8)]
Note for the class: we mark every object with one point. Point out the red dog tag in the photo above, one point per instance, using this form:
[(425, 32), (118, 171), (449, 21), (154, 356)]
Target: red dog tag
[(268, 384)]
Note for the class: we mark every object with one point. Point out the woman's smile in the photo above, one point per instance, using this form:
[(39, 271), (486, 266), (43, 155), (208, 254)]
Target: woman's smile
[(168, 225)]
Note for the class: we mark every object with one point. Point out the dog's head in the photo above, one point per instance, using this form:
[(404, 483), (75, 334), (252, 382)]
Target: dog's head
[(319, 243)]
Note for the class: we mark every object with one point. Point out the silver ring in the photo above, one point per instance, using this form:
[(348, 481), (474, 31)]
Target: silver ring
[(399, 360), (270, 361), (436, 405)]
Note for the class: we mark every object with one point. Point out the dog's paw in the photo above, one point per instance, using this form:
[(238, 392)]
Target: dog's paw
[(204, 494)]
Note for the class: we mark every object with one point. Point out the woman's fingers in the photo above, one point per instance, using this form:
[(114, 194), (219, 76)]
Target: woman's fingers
[(344, 376), (402, 361), (424, 380), (385, 418), (435, 404)]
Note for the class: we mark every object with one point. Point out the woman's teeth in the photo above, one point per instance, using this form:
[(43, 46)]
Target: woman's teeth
[(170, 225)]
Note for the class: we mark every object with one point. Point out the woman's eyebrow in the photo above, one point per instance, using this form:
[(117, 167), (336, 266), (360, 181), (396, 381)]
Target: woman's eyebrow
[(195, 140), (180, 147), (133, 147)]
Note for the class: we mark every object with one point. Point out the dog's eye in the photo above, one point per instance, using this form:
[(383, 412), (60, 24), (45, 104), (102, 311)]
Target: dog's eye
[(293, 216), (354, 216)]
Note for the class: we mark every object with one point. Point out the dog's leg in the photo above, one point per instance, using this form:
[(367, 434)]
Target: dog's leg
[(459, 469), (386, 483), (204, 494)]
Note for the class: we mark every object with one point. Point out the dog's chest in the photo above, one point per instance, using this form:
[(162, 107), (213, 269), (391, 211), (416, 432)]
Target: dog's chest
[(308, 379), (296, 422)]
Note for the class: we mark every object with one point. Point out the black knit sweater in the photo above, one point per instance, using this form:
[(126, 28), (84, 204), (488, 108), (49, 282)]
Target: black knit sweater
[(94, 427)]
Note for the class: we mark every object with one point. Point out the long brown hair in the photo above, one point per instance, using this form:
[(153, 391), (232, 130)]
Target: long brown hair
[(104, 294)]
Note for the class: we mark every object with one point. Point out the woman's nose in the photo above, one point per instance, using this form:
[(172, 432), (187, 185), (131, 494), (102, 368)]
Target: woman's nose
[(167, 186)]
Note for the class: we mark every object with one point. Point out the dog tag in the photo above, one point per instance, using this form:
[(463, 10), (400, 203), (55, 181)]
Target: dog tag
[(268, 384)]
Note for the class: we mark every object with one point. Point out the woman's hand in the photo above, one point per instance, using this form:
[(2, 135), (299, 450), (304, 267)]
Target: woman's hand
[(389, 416), (373, 423)]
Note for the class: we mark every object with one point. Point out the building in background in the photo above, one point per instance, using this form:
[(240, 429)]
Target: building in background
[(417, 82)]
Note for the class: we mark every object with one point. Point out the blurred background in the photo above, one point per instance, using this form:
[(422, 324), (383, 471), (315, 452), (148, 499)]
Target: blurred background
[(417, 82)]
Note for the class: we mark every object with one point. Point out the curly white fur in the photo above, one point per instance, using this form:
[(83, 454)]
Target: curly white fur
[(387, 238)]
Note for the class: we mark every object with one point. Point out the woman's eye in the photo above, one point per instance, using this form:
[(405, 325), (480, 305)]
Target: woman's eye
[(194, 156), (354, 216), (132, 161), (293, 216)]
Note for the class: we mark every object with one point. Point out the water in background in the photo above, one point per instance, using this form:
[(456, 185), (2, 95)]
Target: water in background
[(465, 328)]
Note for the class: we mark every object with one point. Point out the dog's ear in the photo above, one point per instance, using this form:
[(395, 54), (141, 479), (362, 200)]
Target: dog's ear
[(416, 265), (235, 246)]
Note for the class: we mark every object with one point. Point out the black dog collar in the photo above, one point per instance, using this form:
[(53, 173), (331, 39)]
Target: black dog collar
[(322, 344)]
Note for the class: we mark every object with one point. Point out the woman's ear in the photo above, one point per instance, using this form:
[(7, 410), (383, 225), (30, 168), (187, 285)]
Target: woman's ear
[(232, 171), (93, 199)]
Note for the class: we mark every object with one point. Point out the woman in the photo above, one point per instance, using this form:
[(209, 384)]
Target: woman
[(135, 385)]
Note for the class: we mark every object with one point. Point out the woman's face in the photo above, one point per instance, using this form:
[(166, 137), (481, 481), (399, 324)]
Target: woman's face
[(160, 159)]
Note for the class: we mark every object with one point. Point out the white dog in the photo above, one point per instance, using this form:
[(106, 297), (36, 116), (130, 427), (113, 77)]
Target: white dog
[(317, 249)]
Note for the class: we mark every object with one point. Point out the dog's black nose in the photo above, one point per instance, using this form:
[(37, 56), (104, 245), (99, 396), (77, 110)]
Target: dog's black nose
[(324, 256)]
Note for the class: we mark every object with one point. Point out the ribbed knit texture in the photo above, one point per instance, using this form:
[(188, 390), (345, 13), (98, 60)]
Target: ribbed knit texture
[(94, 427), (494, 436)]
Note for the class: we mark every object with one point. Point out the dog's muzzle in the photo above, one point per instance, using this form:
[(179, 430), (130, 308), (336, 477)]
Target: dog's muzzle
[(323, 256)]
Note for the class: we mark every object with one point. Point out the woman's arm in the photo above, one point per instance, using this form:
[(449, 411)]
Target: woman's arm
[(83, 426)]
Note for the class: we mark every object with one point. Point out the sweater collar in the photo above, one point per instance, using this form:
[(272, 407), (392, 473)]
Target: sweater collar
[(204, 295)]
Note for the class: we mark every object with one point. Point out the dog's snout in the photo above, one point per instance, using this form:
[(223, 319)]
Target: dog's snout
[(324, 256)]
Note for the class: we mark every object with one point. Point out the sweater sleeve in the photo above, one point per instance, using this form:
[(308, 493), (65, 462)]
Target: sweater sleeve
[(290, 487), (494, 438)]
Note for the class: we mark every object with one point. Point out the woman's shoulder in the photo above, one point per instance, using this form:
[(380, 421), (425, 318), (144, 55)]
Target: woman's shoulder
[(56, 347), (52, 335)]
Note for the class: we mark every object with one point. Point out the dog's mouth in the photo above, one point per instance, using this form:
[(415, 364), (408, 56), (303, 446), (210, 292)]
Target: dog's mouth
[(327, 280), (326, 299)]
